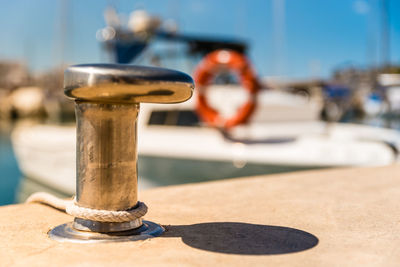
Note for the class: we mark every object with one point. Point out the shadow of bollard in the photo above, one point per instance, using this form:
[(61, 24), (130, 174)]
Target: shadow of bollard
[(243, 238)]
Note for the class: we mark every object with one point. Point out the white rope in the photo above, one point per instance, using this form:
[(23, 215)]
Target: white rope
[(107, 215), (70, 207), (48, 199)]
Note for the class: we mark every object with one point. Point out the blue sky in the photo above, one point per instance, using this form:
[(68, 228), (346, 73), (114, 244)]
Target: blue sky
[(311, 38)]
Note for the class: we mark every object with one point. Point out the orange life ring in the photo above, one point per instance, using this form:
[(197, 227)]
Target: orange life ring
[(207, 70)]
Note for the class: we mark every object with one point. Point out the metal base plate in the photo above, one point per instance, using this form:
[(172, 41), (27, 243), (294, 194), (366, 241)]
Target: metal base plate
[(66, 233)]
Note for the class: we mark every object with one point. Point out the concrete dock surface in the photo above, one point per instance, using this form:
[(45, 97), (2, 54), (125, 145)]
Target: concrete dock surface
[(337, 217)]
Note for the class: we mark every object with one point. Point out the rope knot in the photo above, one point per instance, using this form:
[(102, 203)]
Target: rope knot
[(131, 214), (71, 207)]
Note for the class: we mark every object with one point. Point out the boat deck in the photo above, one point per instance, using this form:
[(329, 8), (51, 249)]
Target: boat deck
[(341, 217)]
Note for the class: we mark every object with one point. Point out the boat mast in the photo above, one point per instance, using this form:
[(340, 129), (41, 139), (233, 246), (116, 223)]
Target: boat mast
[(385, 33), (278, 14), (61, 32)]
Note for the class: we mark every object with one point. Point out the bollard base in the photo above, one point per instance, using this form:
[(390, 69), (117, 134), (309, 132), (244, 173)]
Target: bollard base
[(67, 233)]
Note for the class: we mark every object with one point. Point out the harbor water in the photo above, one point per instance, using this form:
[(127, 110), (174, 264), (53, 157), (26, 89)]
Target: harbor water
[(9, 173)]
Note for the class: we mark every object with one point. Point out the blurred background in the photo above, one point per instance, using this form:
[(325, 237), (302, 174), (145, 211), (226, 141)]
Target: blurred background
[(323, 86)]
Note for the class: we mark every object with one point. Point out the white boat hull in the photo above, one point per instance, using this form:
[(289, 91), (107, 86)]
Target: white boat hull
[(170, 156)]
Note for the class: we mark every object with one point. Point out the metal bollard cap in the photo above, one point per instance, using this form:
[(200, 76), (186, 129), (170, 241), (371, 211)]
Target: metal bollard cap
[(118, 83)]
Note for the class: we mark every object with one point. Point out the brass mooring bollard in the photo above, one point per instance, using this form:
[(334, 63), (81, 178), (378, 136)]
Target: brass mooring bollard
[(107, 98)]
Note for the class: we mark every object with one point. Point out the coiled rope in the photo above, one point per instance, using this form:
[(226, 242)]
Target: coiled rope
[(71, 207)]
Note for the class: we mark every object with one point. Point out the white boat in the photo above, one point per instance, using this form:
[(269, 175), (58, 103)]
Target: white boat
[(174, 147), (391, 85)]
